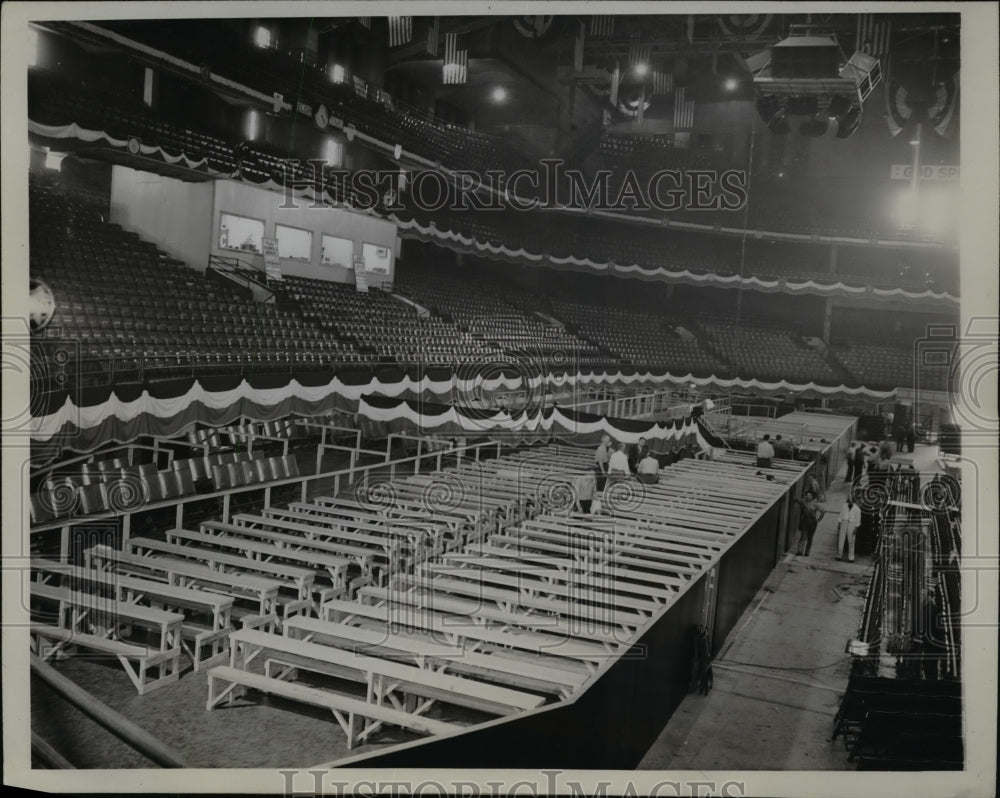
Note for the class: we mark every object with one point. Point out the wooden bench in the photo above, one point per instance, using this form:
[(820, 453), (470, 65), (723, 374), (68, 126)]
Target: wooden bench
[(345, 709), (645, 533), (483, 569), (600, 558), (362, 554), (682, 561), (257, 547), (297, 543), (570, 618), (301, 578), (185, 573), (107, 619), (446, 529), (424, 597), (384, 676), (213, 636), (428, 653), (405, 608), (562, 568), (466, 525), (416, 536)]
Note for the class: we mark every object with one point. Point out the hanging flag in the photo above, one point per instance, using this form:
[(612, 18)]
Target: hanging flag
[(602, 25), (683, 111), (663, 81), (455, 69), (150, 84), (433, 31), (578, 49), (277, 102), (873, 35), (616, 77), (946, 99), (532, 26), (366, 21), (743, 26), (897, 106), (639, 53), (400, 30)]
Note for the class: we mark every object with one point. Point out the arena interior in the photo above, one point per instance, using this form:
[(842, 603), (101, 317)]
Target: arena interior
[(487, 391)]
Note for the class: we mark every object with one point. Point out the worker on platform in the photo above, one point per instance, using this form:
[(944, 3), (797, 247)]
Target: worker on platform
[(765, 452)]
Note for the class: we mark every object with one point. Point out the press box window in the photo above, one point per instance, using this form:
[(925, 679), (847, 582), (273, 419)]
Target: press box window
[(294, 243), (377, 258), (338, 252), (241, 233)]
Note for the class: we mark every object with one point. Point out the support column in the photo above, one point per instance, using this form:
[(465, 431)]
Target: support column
[(827, 315)]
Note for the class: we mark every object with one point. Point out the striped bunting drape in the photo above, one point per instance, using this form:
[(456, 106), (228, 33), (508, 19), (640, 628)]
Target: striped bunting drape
[(400, 30), (455, 69), (683, 111), (874, 36), (663, 81), (639, 53), (433, 34), (602, 25)]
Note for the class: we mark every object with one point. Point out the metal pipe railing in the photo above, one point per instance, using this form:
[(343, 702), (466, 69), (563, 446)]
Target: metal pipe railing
[(120, 726)]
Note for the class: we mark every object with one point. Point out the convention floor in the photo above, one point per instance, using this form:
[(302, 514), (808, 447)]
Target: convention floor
[(780, 674)]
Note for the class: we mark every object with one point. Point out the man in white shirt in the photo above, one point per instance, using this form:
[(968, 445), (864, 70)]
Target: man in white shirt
[(585, 487), (850, 520), (765, 452), (618, 464), (648, 469)]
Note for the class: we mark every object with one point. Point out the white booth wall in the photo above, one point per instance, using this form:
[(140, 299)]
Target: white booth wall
[(184, 220)]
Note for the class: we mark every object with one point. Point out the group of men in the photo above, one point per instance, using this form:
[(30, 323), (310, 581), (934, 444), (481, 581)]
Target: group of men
[(614, 462), (767, 451)]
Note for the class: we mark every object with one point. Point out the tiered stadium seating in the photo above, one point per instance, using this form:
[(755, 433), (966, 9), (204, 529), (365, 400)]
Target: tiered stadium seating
[(499, 323), (758, 350), (639, 339), (383, 327), (132, 312)]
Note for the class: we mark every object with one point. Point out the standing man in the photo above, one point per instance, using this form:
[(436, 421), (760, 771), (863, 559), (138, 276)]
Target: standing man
[(601, 460), (765, 452), (618, 469), (809, 517), (859, 462), (585, 488), (911, 437), (850, 520), (850, 461)]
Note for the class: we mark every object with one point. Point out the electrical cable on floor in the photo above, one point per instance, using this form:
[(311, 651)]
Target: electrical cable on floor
[(778, 667)]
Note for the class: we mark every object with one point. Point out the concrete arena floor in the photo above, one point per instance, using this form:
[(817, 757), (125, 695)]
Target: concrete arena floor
[(781, 672)]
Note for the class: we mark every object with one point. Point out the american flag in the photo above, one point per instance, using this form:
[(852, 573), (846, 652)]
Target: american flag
[(663, 81), (366, 21), (400, 30), (639, 53), (602, 25), (874, 36), (578, 48), (456, 62), (433, 31), (683, 111)]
